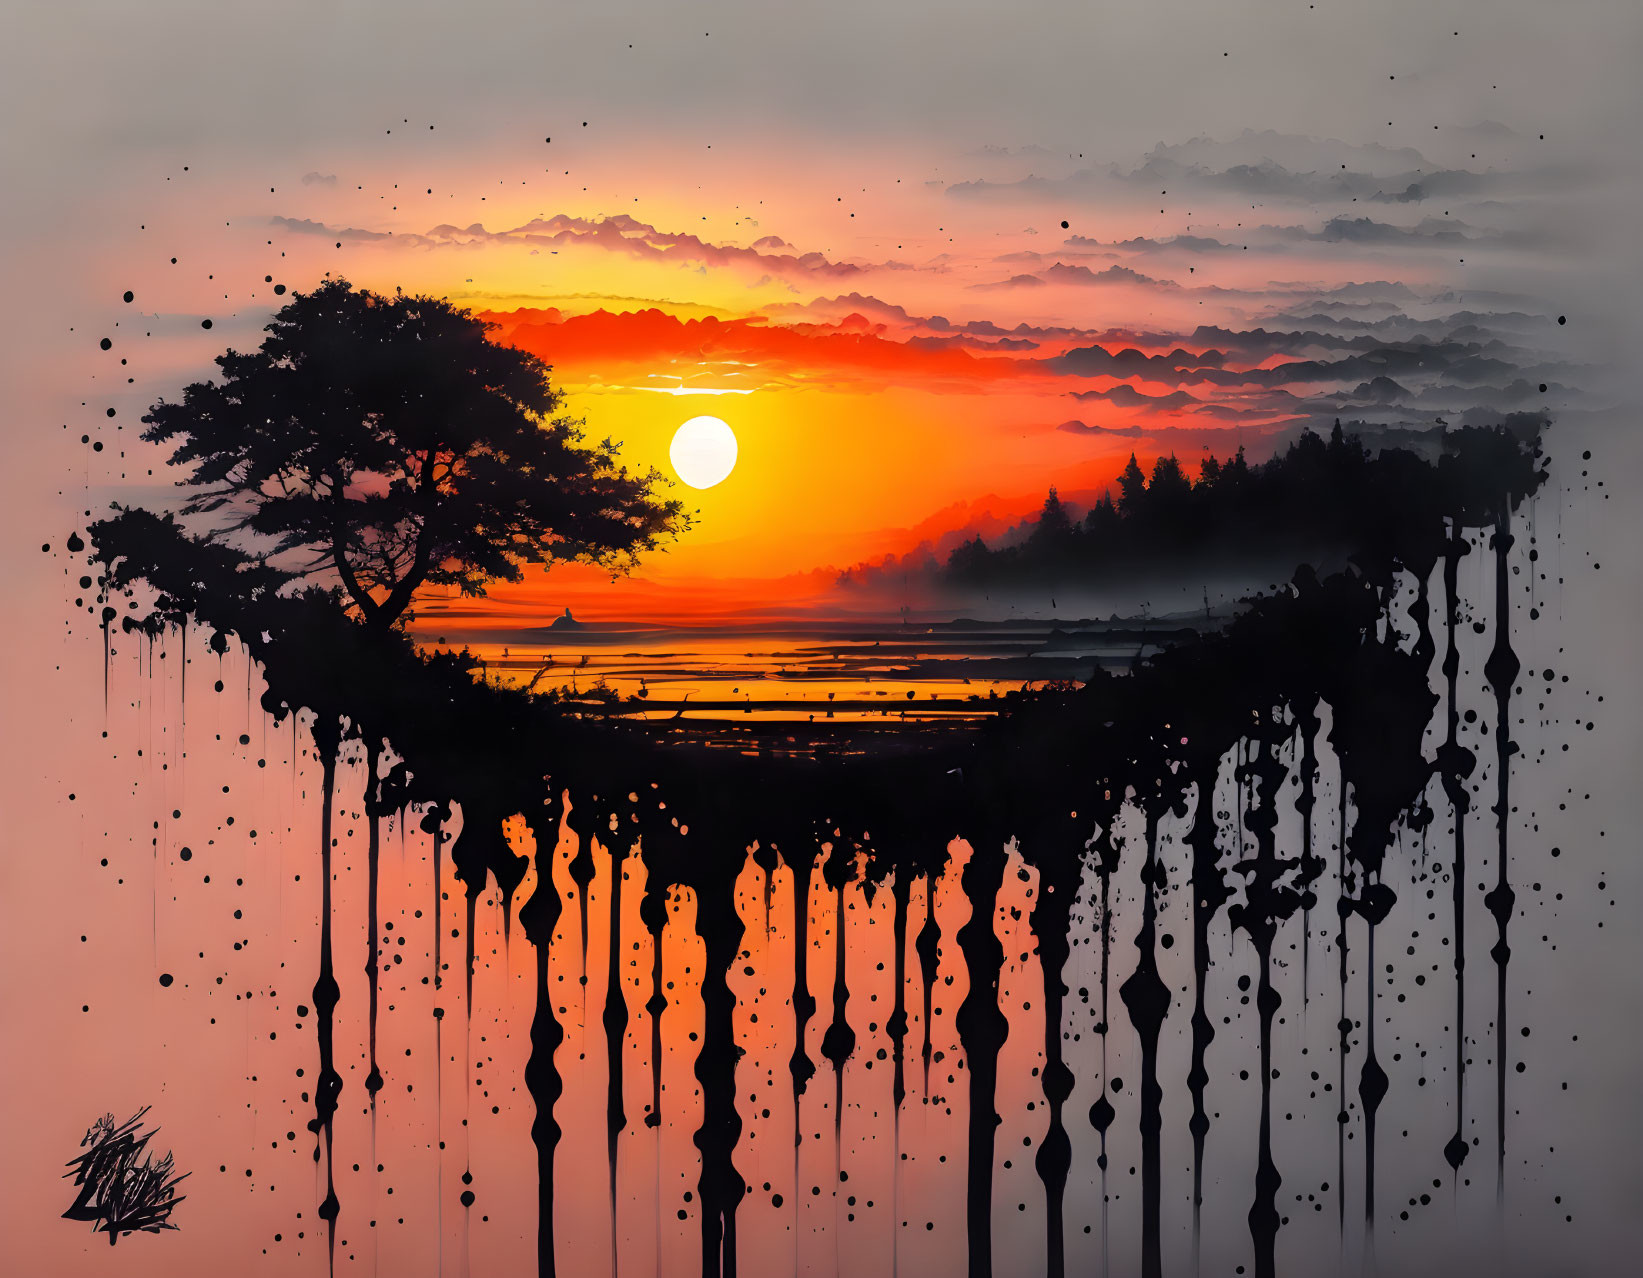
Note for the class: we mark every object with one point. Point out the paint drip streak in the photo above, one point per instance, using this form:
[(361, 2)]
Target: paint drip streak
[(326, 992), (982, 1029), (1147, 998), (1501, 670)]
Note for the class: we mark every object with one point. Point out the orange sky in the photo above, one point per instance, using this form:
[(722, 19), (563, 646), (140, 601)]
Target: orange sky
[(883, 326)]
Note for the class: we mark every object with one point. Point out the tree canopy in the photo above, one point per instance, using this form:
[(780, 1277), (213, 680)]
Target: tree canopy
[(399, 446)]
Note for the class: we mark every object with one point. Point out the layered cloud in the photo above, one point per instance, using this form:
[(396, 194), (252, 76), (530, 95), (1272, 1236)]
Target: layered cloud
[(1034, 327), (1414, 371), (619, 234)]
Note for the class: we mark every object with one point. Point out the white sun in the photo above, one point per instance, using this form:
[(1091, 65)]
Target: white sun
[(703, 452)]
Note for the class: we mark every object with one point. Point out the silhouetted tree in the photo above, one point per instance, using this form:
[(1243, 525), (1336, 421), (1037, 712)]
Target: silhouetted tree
[(1055, 527), (1132, 484), (400, 446), (1168, 477), (1103, 520), (1169, 505), (969, 559)]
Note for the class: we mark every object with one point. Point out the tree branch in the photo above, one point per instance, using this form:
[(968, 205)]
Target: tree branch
[(368, 607), (399, 598)]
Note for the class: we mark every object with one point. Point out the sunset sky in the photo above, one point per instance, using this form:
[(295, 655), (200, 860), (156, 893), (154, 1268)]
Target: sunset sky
[(927, 258), (908, 279)]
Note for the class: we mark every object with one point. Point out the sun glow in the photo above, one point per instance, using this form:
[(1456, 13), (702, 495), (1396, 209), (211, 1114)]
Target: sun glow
[(703, 452)]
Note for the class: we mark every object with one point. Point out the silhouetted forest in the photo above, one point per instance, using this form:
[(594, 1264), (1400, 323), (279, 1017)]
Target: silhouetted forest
[(1315, 501)]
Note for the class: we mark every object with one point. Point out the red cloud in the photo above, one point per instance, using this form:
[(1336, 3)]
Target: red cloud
[(651, 340)]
